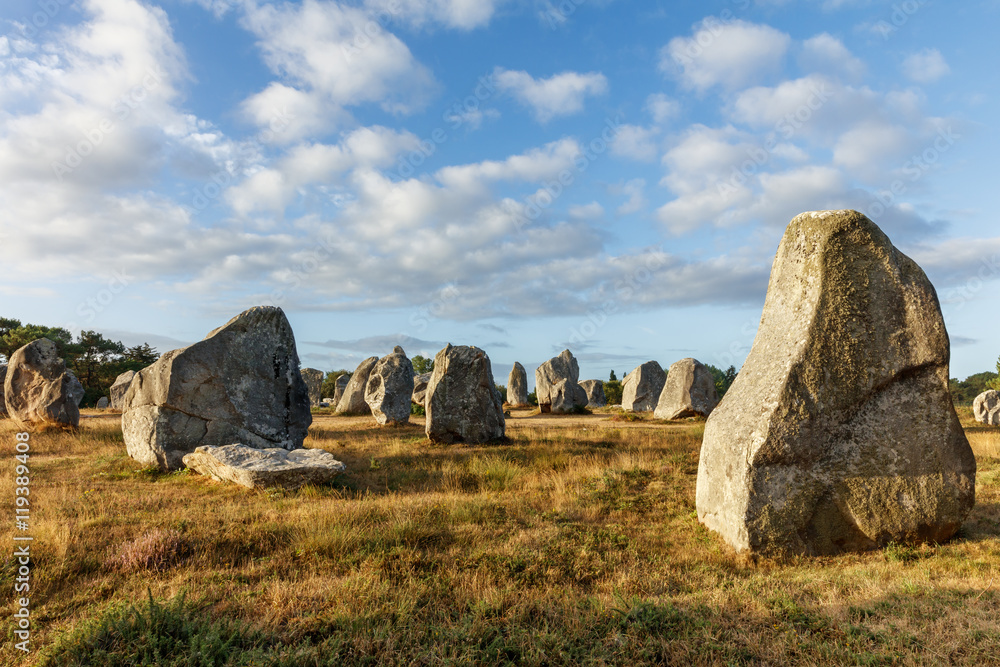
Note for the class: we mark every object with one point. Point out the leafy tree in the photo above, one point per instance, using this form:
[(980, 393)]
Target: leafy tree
[(612, 378), (503, 391), (330, 382), (995, 384), (422, 365), (964, 392), (14, 335), (723, 378), (141, 354), (613, 390)]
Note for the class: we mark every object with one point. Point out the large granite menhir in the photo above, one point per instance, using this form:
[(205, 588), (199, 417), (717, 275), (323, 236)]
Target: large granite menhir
[(688, 392), (986, 408), (241, 384), (642, 387), (116, 394), (3, 404), (313, 377), (463, 403), (839, 433), (517, 386), (39, 389), (352, 400), (389, 391), (595, 393), (557, 385)]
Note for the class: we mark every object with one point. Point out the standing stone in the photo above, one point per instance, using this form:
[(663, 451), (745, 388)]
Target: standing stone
[(352, 402), (314, 384), (595, 393), (420, 383), (390, 388), (38, 388), (102, 403), (3, 404), (517, 386), (338, 391), (839, 433), (118, 390), (688, 392), (240, 384), (642, 387), (463, 402), (557, 385), (986, 408)]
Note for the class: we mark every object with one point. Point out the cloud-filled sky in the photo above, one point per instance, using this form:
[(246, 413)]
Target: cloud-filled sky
[(524, 175)]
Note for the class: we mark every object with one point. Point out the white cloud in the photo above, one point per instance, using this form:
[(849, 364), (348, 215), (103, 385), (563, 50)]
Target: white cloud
[(462, 14), (827, 54), (591, 211), (926, 66), (731, 55), (636, 143), (559, 95), (635, 191), (662, 108)]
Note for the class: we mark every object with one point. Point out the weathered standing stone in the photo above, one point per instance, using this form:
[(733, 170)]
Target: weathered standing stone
[(118, 390), (595, 393), (314, 384), (688, 392), (557, 385), (262, 468), (102, 403), (839, 432), (642, 387), (986, 408), (463, 403), (352, 402), (3, 404), (39, 389), (420, 383), (390, 388), (517, 386), (338, 392), (240, 384)]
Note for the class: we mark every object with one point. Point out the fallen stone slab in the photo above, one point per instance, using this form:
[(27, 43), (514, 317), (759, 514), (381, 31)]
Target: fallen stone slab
[(263, 468)]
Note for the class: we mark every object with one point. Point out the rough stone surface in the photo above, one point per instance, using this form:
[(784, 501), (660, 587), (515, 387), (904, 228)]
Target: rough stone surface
[(314, 384), (463, 402), (688, 392), (262, 468), (839, 433), (240, 384), (38, 388), (338, 392), (557, 385), (986, 408), (642, 387), (3, 405), (102, 403), (352, 402), (595, 393), (390, 388), (420, 383), (116, 394), (517, 386)]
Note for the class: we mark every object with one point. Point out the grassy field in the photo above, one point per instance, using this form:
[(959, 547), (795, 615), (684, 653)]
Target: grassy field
[(576, 543)]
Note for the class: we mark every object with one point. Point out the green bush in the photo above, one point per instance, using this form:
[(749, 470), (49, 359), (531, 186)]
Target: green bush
[(613, 391), (965, 391)]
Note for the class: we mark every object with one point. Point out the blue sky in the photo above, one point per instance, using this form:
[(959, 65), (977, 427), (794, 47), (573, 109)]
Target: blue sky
[(611, 176)]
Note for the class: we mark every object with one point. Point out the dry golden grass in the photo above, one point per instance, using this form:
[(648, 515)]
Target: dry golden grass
[(576, 543)]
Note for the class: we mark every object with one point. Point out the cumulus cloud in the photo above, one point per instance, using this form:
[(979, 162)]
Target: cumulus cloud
[(926, 66), (825, 53), (461, 14), (559, 95), (637, 143), (662, 108)]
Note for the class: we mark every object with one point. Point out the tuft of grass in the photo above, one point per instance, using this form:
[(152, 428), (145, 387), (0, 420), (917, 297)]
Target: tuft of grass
[(155, 550)]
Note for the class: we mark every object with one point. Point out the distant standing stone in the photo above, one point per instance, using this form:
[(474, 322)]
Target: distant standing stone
[(839, 433), (341, 385), (557, 385), (986, 408), (118, 390), (390, 388), (240, 384), (263, 468), (352, 402), (420, 383), (642, 387), (39, 389), (688, 392), (517, 386), (463, 403), (314, 384), (102, 403), (595, 393)]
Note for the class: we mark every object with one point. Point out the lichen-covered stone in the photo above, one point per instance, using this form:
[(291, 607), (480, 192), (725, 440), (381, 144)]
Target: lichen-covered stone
[(557, 385), (339, 387), (517, 386), (3, 404), (263, 468), (642, 387), (463, 403), (688, 392), (389, 391), (595, 393), (102, 403), (116, 395), (313, 377), (986, 408), (420, 383), (839, 432), (39, 389), (240, 384), (352, 402)]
